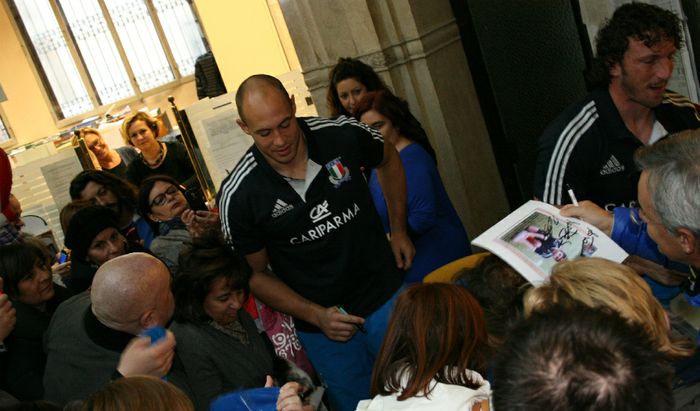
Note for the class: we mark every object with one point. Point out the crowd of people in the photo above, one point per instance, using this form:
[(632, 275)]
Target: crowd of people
[(166, 302)]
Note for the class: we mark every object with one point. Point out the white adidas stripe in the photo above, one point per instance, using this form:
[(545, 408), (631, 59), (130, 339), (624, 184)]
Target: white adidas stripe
[(570, 149), (559, 159), (243, 168), (562, 141), (319, 123)]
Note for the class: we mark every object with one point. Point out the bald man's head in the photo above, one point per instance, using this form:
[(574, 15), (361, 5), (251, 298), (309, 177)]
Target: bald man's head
[(132, 292), (258, 83)]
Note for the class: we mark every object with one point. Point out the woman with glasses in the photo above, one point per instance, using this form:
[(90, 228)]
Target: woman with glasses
[(114, 161), (162, 201), (628, 228)]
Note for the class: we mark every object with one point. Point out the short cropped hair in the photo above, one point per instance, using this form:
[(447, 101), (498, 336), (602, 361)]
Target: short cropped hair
[(644, 22), (17, 262), (596, 282), (436, 331), (580, 358), (138, 393), (266, 79), (151, 123), (202, 263), (350, 68), (674, 179)]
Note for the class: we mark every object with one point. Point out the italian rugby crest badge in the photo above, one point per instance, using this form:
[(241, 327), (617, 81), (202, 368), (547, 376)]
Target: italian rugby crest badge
[(338, 173)]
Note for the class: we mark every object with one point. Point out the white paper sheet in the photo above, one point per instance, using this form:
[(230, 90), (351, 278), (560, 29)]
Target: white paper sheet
[(533, 238)]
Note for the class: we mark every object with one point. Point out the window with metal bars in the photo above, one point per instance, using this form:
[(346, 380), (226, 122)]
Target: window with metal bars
[(93, 53)]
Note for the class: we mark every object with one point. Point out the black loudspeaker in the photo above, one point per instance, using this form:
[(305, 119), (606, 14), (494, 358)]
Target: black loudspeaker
[(527, 59)]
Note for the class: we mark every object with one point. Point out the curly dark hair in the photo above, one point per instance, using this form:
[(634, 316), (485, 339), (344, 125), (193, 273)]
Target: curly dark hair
[(207, 259), (644, 22), (122, 189), (350, 68)]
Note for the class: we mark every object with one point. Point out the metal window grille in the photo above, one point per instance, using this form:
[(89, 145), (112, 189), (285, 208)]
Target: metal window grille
[(90, 53)]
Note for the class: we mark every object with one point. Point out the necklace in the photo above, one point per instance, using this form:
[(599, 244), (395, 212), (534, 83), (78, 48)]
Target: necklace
[(157, 162)]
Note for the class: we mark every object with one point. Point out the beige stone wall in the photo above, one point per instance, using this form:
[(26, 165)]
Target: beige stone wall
[(27, 110), (415, 47), (244, 39)]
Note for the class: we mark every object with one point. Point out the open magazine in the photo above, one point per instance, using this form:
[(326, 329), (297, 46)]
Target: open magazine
[(533, 238)]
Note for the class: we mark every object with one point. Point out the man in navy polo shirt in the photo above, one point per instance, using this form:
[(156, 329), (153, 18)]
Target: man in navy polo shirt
[(298, 203), (589, 147)]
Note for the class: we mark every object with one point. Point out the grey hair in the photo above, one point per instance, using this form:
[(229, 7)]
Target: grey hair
[(673, 167)]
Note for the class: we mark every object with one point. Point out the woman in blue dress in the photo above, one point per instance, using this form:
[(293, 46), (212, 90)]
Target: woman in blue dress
[(434, 225)]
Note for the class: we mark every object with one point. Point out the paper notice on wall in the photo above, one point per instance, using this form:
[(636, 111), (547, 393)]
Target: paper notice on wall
[(58, 176), (227, 143)]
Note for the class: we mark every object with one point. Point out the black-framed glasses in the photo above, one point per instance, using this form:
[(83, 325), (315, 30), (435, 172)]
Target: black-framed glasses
[(160, 199)]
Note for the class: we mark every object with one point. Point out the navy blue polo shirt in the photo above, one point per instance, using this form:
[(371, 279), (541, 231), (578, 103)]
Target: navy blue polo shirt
[(330, 246)]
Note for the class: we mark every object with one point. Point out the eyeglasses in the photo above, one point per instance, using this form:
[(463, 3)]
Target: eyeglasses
[(160, 199)]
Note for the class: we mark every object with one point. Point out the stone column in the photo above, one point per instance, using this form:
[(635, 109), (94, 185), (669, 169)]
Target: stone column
[(415, 46)]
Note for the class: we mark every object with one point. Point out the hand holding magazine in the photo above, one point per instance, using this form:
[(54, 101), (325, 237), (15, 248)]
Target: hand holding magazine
[(533, 238)]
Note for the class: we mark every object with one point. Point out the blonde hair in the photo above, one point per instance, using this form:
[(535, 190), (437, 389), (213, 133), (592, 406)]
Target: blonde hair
[(82, 133), (596, 282), (140, 393), (151, 122)]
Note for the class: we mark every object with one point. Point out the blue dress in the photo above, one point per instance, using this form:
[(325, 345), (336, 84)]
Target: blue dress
[(433, 223)]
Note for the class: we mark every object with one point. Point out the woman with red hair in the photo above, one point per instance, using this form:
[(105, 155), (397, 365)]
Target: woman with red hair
[(433, 223), (434, 353)]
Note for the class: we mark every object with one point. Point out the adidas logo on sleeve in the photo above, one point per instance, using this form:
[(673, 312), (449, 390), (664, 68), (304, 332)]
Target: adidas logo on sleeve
[(612, 166)]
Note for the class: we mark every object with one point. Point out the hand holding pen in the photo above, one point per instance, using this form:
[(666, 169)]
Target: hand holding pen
[(338, 325), (360, 327)]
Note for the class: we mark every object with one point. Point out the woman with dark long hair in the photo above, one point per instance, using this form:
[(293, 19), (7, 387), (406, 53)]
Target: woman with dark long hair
[(434, 353), (433, 223), (348, 82), (26, 272)]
